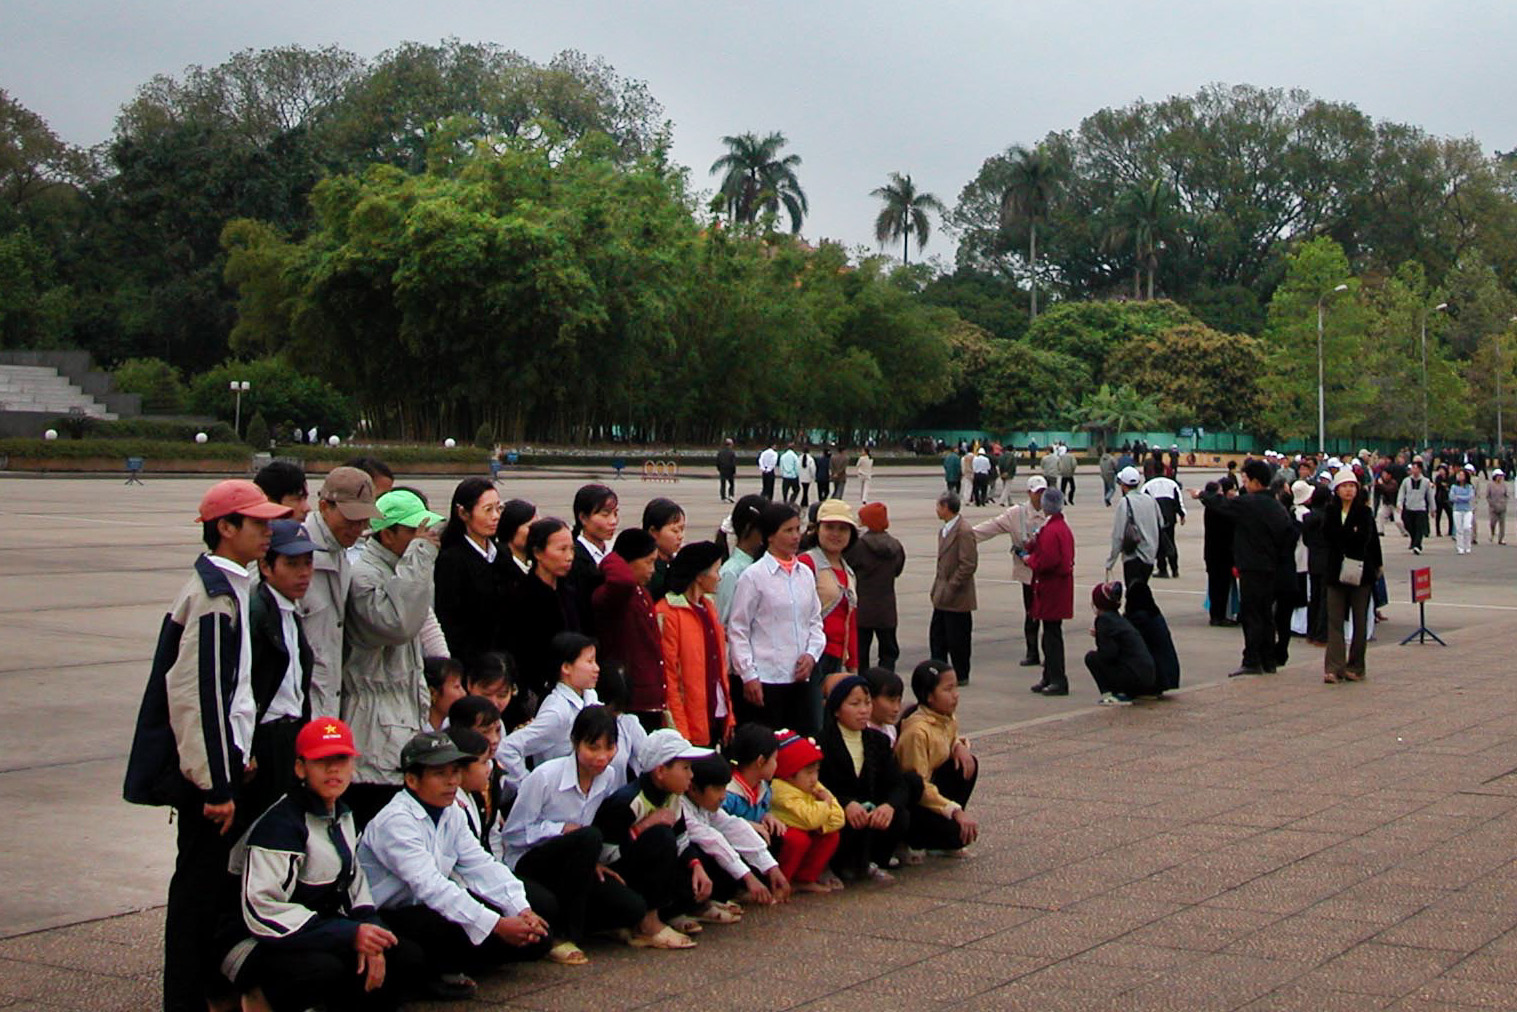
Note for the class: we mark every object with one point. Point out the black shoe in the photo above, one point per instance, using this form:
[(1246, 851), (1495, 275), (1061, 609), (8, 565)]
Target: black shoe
[(1055, 690), (452, 987), (1039, 687), (963, 681), (1227, 623), (1030, 661), (1270, 669), (1247, 669)]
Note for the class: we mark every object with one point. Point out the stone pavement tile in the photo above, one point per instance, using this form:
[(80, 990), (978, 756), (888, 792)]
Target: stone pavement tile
[(1304, 939), (729, 992), (1215, 981), (908, 984), (1056, 935), (1497, 967), (71, 950), (1291, 889), (1202, 928), (1292, 998), (1459, 930), (1022, 996), (952, 925), (839, 946), (1053, 890), (1465, 992), (1379, 902), (1391, 970), (1377, 849), (1124, 911), (865, 1001), (39, 982), (1134, 955), (1095, 978)]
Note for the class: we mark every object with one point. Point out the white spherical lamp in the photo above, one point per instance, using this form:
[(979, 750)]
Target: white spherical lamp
[(450, 442), (200, 437), (333, 441), (50, 434)]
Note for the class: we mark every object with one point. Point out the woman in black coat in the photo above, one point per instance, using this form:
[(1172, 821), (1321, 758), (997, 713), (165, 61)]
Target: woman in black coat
[(874, 793), (543, 605), (1217, 553), (1316, 565), (1348, 528), (468, 581)]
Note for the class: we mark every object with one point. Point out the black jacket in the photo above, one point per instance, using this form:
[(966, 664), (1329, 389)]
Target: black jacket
[(1217, 540), (880, 781), (536, 614), (1119, 645), (726, 462), (1354, 538), (271, 656), (584, 577), (1315, 541), (469, 596), (1264, 535)]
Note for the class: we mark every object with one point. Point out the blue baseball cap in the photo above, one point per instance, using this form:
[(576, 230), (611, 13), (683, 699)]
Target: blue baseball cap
[(287, 537)]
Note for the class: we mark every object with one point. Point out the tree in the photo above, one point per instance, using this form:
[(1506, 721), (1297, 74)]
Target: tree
[(1109, 412), (1032, 185), (1092, 331), (1144, 219), (1398, 308), (1196, 375), (33, 161), (160, 385), (1023, 386), (755, 179), (905, 212)]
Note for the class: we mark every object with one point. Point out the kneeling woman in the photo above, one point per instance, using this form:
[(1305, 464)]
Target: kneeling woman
[(550, 840), (312, 934), (930, 747), (860, 770)]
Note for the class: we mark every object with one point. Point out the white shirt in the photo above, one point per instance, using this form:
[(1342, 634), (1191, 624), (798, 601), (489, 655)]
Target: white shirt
[(768, 459), (289, 701), (775, 618), (631, 739), (981, 464), (549, 799), (730, 841), (244, 711), (1161, 487), (489, 551), (947, 527), (410, 861), (546, 735), (596, 553)]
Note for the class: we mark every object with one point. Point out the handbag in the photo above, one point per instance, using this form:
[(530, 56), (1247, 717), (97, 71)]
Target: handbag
[(1351, 573), (1131, 536)]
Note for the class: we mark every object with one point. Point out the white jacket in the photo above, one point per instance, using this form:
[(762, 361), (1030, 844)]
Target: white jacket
[(322, 614)]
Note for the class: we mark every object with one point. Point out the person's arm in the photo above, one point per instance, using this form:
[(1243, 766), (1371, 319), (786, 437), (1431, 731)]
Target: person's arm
[(898, 553), (481, 873), (816, 637), (740, 619), (1004, 523), (533, 738), (390, 610), (968, 561), (911, 751), (525, 825), (674, 681), (743, 838), (450, 595), (711, 842), (193, 687), (402, 850)]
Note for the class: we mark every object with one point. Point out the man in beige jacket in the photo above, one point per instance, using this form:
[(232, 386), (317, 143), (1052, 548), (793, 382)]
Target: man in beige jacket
[(953, 596)]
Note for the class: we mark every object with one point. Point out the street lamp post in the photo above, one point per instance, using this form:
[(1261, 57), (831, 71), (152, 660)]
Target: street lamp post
[(1437, 309), (1321, 379), (239, 387)]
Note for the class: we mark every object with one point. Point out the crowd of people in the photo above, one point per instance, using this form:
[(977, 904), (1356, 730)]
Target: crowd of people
[(404, 746)]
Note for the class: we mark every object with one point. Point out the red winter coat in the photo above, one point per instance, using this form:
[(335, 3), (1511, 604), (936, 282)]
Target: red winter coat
[(628, 632), (1052, 562)]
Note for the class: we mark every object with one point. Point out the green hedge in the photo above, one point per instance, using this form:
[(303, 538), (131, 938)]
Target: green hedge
[(78, 449), (156, 429)]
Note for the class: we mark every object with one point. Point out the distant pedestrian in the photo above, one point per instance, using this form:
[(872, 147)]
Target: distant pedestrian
[(1353, 563), (1067, 464), (1108, 466), (953, 592), (808, 474), (1120, 664), (1217, 554), (1415, 501), (838, 470), (1497, 494), (768, 460), (953, 471), (1021, 523), (980, 466), (1134, 530), (864, 468), (878, 559), (1462, 501), (726, 471), (1052, 560), (1166, 492)]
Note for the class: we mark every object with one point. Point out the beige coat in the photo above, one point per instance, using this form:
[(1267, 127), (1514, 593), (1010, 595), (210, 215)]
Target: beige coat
[(958, 558), (1021, 522), (322, 613)]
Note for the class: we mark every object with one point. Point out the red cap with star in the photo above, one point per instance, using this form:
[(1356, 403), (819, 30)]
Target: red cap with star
[(323, 738)]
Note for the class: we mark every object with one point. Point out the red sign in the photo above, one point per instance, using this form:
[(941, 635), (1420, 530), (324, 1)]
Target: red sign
[(1422, 585)]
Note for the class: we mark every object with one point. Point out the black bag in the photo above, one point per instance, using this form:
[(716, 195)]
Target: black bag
[(1131, 536)]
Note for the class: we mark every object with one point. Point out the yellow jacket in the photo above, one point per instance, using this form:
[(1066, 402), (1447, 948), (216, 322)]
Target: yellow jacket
[(794, 807), (926, 742)]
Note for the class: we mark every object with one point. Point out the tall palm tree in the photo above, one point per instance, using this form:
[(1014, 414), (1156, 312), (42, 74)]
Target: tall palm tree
[(905, 212), (1111, 412), (1144, 217), (755, 179), (1033, 182)]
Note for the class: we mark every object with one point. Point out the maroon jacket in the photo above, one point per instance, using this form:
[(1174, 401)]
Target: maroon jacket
[(1052, 562), (628, 632)]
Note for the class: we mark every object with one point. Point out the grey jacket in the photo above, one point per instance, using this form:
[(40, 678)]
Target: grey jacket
[(1145, 511), (384, 696), (1422, 499), (322, 613)]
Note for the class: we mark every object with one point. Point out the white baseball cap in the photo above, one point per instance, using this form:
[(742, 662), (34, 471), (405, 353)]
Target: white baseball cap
[(1036, 482), (1129, 476)]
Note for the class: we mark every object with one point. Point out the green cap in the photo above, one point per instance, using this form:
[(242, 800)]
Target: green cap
[(404, 509)]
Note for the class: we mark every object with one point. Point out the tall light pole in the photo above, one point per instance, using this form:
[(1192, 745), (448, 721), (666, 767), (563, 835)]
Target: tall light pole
[(239, 387), (1437, 309), (1321, 379)]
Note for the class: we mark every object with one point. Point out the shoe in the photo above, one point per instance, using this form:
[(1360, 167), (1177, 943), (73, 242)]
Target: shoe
[(452, 987), (1247, 669), (1055, 690), (1416, 551), (1029, 662), (880, 875), (1113, 699), (1270, 669), (1149, 697), (963, 681), (1330, 678), (1039, 686), (1224, 623)]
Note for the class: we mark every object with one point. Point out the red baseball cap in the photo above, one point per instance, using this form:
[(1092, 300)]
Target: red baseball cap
[(323, 738), (238, 495)]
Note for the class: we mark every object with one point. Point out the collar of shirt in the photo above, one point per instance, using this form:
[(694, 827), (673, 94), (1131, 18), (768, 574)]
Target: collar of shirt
[(489, 551), (285, 604), (596, 554), (568, 780), (948, 527), (239, 574)]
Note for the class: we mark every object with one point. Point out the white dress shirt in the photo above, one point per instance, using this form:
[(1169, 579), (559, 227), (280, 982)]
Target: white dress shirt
[(410, 861), (730, 841), (546, 735), (549, 799), (489, 551), (289, 701), (775, 618), (631, 738), (768, 459), (244, 710), (596, 553)]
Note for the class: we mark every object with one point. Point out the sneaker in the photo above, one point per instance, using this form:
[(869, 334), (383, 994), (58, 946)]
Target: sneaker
[(1416, 551), (1246, 670), (1113, 699)]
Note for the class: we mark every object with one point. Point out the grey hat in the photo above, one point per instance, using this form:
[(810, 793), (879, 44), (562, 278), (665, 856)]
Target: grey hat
[(431, 748), (1053, 501)]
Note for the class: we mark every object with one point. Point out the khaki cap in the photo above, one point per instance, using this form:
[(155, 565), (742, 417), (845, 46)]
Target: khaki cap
[(351, 491)]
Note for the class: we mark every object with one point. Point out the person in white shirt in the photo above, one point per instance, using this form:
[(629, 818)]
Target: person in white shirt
[(735, 856), (436, 883), (546, 735), (1022, 522), (864, 468), (980, 468), (550, 839), (774, 630), (1166, 492), (768, 460)]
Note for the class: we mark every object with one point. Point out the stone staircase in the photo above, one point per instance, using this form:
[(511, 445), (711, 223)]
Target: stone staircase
[(35, 388)]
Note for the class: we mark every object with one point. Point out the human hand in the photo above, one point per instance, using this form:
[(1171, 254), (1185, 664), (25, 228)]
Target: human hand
[(570, 827), (753, 692), (757, 891), (821, 793), (372, 966), (969, 829), (372, 940), (881, 816), (521, 930), (427, 531), (803, 666), (603, 872), (856, 815), (700, 883), (657, 817), (772, 826), (779, 885), (963, 759), (220, 814)]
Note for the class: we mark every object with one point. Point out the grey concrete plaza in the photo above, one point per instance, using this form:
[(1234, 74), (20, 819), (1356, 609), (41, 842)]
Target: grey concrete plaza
[(1265, 843)]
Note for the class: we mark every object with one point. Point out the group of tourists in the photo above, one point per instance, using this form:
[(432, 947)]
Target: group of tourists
[(404, 746), (798, 469)]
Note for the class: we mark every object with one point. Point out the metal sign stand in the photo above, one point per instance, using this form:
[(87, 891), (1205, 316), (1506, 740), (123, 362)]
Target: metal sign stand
[(1422, 590)]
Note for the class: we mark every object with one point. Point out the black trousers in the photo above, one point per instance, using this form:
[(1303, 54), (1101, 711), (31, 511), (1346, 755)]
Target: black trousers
[(949, 637), (201, 893), (1256, 613), (1053, 654), (1029, 624), (726, 485), (1169, 555), (1285, 609), (294, 980), (980, 489), (366, 800), (805, 493), (1067, 486), (791, 489), (823, 486), (858, 847), (1135, 571), (274, 752), (1316, 608), (1111, 676), (657, 872), (928, 829), (890, 649), (565, 866), (766, 484), (1415, 522), (447, 948), (838, 486), (784, 705), (1445, 510), (1219, 590)]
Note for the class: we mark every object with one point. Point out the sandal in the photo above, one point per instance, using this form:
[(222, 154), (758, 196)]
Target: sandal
[(1330, 678), (568, 954), (685, 924), (716, 913), (664, 938)]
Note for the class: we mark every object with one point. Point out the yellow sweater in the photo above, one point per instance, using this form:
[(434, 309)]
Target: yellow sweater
[(794, 807), (927, 741)]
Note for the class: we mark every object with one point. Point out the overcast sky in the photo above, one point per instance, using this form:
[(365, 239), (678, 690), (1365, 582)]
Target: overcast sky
[(860, 89)]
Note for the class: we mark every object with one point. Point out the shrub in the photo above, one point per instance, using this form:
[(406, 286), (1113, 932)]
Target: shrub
[(165, 429), (278, 390), (258, 432), (160, 384), (485, 437)]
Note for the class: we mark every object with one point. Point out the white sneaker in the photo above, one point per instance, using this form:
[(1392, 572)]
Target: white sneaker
[(1110, 699)]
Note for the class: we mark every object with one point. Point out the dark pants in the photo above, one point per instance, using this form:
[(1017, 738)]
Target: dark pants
[(565, 866), (857, 848), (1114, 676), (293, 980), (1316, 608), (1169, 555), (726, 485), (928, 829), (657, 872), (805, 493), (1445, 510), (1067, 486), (980, 489), (1135, 571), (784, 705), (1415, 522), (365, 801), (822, 487), (1285, 608), (447, 946), (201, 892), (1256, 613), (766, 484), (890, 650), (791, 488), (1219, 590), (812, 725), (1029, 624), (1345, 602), (274, 752), (838, 485), (651, 720), (1053, 655), (949, 638)]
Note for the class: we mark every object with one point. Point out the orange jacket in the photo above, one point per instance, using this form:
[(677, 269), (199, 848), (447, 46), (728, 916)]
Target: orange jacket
[(685, 671)]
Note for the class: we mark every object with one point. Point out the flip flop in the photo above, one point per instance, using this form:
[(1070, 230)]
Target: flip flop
[(568, 954), (685, 924), (716, 913), (665, 938)]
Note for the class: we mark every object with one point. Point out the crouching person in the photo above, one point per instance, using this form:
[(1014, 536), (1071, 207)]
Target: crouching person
[(436, 883), (1120, 663), (930, 747), (310, 933), (859, 764)]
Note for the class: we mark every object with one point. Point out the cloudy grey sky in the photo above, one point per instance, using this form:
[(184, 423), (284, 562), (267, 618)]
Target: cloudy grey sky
[(860, 88)]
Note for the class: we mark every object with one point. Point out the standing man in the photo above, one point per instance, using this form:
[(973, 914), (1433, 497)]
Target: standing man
[(1414, 502), (838, 470), (1108, 475), (953, 471), (953, 596), (824, 475), (194, 734), (768, 460), (1166, 492), (726, 471), (981, 468), (344, 507), (1050, 466), (1497, 494), (284, 482), (1217, 554), (790, 474), (1139, 548), (1021, 523), (1008, 468), (1264, 537), (1067, 474)]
